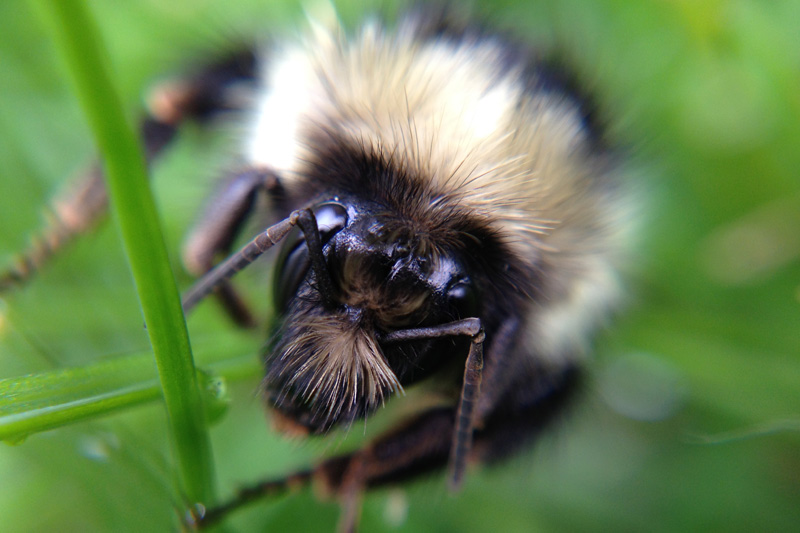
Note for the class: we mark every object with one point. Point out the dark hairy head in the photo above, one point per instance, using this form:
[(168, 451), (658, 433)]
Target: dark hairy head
[(399, 256), (327, 364)]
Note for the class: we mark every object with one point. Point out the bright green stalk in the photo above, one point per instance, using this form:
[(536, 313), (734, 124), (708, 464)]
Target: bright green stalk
[(79, 41)]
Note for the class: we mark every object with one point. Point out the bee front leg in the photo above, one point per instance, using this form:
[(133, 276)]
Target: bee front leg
[(470, 388)]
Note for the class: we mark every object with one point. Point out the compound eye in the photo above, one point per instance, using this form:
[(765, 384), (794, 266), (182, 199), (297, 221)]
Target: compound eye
[(331, 218), (463, 298), (293, 262)]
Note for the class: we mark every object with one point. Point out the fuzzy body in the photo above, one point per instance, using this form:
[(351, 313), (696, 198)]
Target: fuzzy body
[(459, 148)]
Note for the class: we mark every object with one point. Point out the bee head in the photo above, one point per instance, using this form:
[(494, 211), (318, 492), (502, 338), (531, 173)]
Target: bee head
[(326, 364)]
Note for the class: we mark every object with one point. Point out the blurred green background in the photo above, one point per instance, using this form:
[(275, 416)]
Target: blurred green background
[(691, 420)]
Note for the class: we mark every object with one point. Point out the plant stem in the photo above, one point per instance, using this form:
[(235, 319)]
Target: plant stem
[(79, 41)]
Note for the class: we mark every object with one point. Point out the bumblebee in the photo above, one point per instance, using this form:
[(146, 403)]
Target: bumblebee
[(449, 215)]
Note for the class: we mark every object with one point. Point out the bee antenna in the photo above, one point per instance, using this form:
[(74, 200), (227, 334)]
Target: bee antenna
[(305, 220), (236, 262)]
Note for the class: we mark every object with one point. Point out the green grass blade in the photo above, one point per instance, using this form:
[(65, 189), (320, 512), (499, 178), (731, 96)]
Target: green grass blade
[(38, 402), (132, 203), (47, 400)]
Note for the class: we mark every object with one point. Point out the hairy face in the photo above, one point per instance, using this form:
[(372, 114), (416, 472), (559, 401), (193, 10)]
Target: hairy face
[(327, 365)]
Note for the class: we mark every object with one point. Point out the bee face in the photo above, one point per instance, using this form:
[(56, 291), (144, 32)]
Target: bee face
[(327, 363)]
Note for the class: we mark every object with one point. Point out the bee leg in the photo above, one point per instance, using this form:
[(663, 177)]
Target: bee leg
[(351, 492), (431, 439), (425, 443), (218, 226), (421, 445), (198, 96), (467, 411), (470, 388), (202, 518), (78, 210), (507, 395)]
